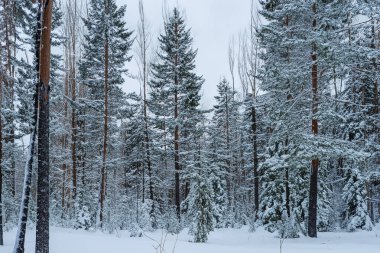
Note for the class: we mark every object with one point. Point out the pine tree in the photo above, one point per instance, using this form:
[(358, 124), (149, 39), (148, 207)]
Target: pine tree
[(175, 94), (102, 73), (298, 83), (361, 108)]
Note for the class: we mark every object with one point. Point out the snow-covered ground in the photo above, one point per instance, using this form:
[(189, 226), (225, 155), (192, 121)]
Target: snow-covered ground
[(220, 241)]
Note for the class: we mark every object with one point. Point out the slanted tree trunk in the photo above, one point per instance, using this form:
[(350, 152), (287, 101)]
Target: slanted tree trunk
[(105, 127), (42, 226), (313, 193), (24, 207)]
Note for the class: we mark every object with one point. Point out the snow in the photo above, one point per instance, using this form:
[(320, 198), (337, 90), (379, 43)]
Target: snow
[(220, 241)]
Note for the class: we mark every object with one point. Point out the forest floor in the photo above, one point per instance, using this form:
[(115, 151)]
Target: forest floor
[(220, 241)]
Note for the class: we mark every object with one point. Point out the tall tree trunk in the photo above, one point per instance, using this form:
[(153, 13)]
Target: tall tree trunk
[(81, 153), (73, 110), (255, 160), (24, 207), (228, 161), (42, 226), (289, 98), (177, 166), (254, 65), (176, 159), (12, 108), (105, 133), (313, 192), (144, 48)]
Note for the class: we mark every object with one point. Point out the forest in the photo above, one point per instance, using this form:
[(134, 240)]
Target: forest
[(290, 145)]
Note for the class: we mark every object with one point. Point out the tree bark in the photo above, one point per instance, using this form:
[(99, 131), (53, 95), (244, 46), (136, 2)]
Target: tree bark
[(73, 98), (105, 127), (313, 192), (228, 162), (42, 226), (176, 160), (255, 160)]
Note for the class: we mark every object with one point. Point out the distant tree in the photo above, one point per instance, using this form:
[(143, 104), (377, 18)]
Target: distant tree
[(355, 215), (200, 207), (225, 145)]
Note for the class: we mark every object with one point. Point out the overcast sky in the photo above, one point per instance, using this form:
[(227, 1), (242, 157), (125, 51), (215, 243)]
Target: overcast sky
[(212, 23)]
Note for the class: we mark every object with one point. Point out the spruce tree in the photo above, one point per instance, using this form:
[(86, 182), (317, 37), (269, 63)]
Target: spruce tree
[(174, 97), (354, 195), (200, 207), (223, 136)]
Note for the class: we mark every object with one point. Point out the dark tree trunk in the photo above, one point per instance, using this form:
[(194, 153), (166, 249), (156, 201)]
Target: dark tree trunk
[(313, 193), (177, 166), (148, 159), (255, 160), (176, 161), (228, 161), (105, 127), (287, 187), (42, 226), (73, 124)]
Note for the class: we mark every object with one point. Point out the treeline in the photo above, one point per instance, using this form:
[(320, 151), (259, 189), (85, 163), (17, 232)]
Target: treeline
[(292, 144)]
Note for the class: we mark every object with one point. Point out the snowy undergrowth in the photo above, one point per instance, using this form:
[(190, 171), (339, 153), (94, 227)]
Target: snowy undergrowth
[(221, 241)]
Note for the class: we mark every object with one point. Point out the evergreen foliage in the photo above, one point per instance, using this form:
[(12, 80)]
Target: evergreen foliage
[(169, 164)]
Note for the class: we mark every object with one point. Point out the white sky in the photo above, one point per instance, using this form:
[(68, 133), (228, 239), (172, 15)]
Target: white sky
[(213, 24)]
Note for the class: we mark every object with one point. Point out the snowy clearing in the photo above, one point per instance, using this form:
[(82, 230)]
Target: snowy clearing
[(221, 241)]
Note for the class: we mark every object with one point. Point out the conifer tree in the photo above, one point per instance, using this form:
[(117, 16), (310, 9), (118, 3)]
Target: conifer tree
[(175, 94), (299, 83), (354, 195), (102, 73), (224, 122), (200, 207)]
